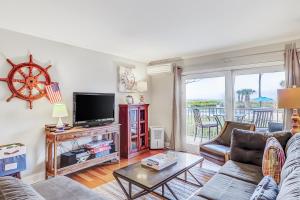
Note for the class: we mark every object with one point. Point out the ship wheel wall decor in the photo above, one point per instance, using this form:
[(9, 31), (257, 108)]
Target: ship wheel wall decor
[(27, 81)]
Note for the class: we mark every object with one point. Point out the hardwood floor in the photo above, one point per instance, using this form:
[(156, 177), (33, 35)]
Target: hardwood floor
[(98, 175)]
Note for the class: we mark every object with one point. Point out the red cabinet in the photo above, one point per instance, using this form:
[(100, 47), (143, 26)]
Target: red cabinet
[(134, 135)]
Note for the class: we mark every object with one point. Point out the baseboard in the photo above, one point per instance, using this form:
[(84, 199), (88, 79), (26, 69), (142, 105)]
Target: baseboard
[(34, 178), (167, 144)]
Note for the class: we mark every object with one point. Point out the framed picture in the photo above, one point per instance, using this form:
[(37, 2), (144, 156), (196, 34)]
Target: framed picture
[(127, 79)]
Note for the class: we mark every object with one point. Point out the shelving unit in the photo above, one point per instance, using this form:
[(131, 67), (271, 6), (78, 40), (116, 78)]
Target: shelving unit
[(53, 139), (134, 129)]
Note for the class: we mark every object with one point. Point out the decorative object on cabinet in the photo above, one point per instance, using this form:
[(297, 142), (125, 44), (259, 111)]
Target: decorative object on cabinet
[(56, 139), (12, 159), (142, 86), (27, 80), (134, 136), (289, 98), (59, 111), (129, 99), (127, 80)]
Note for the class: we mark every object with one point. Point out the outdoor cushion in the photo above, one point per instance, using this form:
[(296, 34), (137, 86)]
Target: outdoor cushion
[(65, 188), (222, 187), (290, 188), (14, 189), (242, 171), (273, 159), (267, 189)]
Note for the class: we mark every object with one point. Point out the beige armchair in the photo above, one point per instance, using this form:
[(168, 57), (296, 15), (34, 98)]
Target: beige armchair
[(218, 149)]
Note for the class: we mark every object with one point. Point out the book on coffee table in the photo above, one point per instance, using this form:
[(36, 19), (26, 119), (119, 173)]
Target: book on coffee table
[(159, 161)]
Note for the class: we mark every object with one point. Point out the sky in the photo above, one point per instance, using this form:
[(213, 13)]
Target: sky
[(214, 88)]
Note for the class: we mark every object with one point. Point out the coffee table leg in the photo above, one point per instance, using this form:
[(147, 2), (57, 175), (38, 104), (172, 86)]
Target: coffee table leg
[(173, 193), (200, 184), (124, 190)]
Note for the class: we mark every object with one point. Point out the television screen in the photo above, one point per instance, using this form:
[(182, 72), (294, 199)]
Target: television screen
[(93, 107)]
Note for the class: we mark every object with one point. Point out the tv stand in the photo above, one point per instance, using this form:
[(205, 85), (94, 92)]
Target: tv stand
[(54, 139)]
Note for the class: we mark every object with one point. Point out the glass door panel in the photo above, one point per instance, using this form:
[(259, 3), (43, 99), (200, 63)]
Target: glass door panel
[(256, 98), (204, 109)]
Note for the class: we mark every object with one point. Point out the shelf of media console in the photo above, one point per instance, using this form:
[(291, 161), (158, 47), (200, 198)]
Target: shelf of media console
[(55, 138)]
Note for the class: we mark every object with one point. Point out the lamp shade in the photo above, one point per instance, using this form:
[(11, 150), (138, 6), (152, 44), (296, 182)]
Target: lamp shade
[(142, 86), (59, 110), (288, 98)]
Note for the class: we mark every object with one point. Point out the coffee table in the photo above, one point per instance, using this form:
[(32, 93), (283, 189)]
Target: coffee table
[(149, 179)]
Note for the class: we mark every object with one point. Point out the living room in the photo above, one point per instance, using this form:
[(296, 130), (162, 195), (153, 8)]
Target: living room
[(94, 94)]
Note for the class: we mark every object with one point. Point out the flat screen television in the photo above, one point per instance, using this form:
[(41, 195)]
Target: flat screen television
[(92, 109)]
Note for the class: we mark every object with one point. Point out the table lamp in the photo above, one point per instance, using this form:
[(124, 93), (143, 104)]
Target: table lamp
[(59, 111), (289, 98), (142, 86)]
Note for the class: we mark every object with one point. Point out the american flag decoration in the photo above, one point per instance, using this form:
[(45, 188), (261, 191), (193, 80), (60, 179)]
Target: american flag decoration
[(53, 93)]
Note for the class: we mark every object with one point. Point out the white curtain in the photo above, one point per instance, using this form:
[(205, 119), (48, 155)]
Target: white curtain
[(292, 75), (176, 137)]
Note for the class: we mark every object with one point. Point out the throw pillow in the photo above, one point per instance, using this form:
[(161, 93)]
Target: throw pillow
[(267, 189), (273, 159)]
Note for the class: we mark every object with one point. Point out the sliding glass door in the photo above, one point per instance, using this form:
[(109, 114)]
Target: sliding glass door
[(239, 95)]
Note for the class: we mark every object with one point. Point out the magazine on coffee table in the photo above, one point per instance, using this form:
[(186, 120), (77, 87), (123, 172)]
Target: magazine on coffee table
[(159, 161)]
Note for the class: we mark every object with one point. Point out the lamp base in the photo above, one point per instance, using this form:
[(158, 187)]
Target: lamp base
[(296, 122), (60, 125)]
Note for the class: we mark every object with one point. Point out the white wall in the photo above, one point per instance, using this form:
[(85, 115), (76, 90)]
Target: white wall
[(161, 103), (76, 69)]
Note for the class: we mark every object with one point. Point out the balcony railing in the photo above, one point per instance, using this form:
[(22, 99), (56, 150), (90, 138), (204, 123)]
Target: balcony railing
[(209, 113)]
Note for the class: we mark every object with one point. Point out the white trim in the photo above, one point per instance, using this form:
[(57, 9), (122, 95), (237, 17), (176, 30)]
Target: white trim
[(235, 67)]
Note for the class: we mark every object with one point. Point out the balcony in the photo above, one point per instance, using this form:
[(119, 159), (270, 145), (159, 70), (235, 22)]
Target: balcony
[(213, 114)]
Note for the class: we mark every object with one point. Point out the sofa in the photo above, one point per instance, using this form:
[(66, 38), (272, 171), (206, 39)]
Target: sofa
[(238, 177), (58, 188)]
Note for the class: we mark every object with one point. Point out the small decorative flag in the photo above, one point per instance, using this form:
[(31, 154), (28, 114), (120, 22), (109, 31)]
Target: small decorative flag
[(53, 93)]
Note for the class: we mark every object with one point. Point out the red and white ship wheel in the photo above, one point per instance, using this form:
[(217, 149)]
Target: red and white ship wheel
[(27, 81)]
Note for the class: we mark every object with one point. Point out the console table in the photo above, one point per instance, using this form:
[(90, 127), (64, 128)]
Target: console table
[(53, 139)]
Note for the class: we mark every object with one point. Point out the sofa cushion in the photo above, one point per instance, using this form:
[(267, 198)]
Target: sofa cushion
[(293, 157), (248, 146), (267, 189), (290, 187), (222, 187), (65, 188), (225, 138), (14, 189), (242, 171), (273, 159)]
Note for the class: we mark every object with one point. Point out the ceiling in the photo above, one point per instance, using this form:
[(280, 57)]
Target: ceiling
[(146, 30)]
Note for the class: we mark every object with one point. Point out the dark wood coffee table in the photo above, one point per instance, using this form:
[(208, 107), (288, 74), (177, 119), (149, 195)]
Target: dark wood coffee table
[(149, 179)]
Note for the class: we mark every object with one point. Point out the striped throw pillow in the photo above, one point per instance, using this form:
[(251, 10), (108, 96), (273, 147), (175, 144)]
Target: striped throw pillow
[(273, 159)]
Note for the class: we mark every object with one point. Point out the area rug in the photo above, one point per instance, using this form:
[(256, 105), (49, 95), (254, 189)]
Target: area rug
[(112, 190)]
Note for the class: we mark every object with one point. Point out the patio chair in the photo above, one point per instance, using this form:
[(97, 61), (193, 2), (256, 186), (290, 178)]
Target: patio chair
[(201, 124), (261, 118), (218, 149)]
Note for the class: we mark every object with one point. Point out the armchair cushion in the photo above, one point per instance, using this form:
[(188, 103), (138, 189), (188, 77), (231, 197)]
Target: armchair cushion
[(216, 149)]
